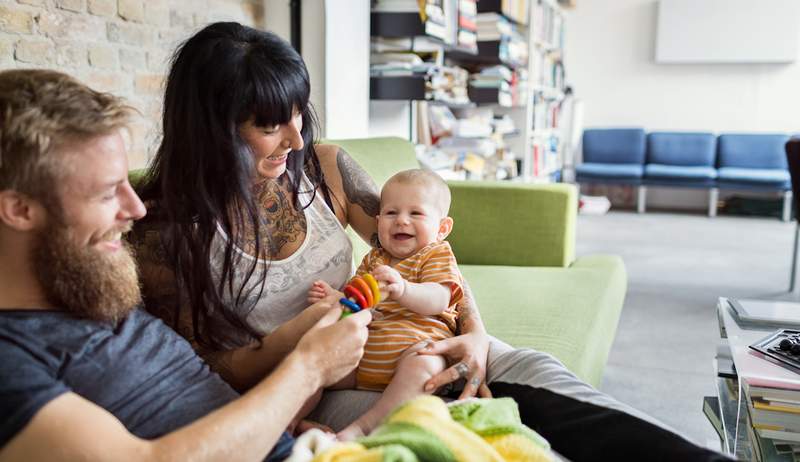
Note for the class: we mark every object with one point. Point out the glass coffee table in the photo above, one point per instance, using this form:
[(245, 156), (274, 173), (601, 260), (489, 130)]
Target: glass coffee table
[(736, 432)]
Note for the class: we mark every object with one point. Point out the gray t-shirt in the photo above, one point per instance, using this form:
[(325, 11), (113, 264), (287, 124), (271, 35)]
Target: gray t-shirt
[(140, 370)]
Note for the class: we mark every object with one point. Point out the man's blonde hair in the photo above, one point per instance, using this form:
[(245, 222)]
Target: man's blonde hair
[(41, 110), (426, 178)]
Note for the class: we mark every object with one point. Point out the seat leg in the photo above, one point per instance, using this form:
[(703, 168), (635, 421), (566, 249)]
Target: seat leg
[(787, 206), (713, 197), (641, 198), (793, 273)]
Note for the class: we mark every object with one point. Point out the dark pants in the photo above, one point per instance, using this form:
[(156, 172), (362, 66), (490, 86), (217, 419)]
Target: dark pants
[(582, 431)]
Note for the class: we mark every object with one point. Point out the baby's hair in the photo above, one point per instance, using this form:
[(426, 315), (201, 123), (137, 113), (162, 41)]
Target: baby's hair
[(427, 178)]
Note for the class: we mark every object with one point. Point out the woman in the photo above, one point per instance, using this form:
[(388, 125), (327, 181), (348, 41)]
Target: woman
[(245, 212)]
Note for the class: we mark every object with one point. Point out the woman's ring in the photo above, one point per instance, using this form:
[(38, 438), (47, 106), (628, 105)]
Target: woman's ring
[(462, 370)]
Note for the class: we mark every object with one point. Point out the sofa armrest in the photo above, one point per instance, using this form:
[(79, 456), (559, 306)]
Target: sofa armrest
[(513, 224)]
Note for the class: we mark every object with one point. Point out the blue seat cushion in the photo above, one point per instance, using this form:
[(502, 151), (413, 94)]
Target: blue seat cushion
[(598, 170), (679, 172), (753, 175), (752, 150), (684, 149)]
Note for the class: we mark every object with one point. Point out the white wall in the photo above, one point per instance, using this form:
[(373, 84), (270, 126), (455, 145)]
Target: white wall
[(609, 59), (346, 68), (335, 47)]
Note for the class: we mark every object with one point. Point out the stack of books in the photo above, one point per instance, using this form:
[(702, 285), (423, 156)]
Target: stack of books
[(467, 25), (492, 85), (493, 26), (774, 413)]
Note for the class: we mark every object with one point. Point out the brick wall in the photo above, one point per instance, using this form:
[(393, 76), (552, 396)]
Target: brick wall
[(120, 46)]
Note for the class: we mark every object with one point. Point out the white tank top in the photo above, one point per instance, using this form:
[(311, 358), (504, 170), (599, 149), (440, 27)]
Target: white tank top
[(326, 254)]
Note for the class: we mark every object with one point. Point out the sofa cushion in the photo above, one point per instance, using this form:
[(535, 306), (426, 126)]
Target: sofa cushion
[(600, 170), (676, 148), (614, 145), (752, 150), (679, 172), (566, 312), (754, 175)]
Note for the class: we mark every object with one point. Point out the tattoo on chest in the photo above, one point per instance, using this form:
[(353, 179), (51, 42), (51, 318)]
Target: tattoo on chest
[(280, 223), (358, 186)]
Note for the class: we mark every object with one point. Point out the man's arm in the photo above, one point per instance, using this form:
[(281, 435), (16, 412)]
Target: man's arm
[(72, 428)]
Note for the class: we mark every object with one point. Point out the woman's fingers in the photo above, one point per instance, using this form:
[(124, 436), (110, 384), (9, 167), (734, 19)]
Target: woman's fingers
[(441, 379), (484, 392), (442, 347)]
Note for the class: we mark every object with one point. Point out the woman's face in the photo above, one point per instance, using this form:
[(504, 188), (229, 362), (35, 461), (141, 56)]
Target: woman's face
[(272, 145)]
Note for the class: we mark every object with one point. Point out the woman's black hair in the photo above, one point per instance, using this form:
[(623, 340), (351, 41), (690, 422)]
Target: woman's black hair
[(202, 174)]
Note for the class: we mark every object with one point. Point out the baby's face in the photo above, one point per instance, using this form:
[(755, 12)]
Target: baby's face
[(409, 219)]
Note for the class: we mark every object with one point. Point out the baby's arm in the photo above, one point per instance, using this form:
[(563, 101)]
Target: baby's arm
[(319, 290), (425, 298)]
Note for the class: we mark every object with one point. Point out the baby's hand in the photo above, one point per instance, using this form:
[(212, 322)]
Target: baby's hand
[(319, 290), (390, 282)]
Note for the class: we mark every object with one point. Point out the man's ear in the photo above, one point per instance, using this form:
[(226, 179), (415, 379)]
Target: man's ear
[(445, 226), (19, 211)]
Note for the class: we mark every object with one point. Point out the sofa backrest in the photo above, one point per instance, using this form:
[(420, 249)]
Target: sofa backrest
[(681, 148), (381, 158), (752, 150), (614, 145)]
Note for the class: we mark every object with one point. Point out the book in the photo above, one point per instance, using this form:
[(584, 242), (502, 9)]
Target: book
[(766, 312), (712, 413)]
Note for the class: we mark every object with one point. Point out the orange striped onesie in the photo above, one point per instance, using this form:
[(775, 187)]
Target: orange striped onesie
[(401, 328)]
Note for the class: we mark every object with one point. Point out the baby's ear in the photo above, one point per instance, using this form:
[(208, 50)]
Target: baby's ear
[(445, 226)]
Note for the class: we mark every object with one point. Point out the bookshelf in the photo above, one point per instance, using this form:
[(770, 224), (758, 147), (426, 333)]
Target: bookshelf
[(512, 50), (544, 141)]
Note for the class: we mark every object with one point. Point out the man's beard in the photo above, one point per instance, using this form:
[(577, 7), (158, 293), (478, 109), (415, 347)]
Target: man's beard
[(103, 286)]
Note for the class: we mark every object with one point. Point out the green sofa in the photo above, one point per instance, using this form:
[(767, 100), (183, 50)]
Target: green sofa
[(515, 244)]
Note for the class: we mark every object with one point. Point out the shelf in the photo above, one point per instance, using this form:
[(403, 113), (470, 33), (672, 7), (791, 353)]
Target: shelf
[(396, 25), (452, 105), (488, 54), (406, 88), (407, 26), (397, 88), (485, 96), (546, 132)]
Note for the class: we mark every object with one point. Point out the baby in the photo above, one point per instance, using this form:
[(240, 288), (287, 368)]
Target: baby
[(420, 285)]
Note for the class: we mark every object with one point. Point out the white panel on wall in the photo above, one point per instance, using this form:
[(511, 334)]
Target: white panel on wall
[(727, 31)]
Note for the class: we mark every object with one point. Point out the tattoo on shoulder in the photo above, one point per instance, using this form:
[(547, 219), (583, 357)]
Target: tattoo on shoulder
[(358, 186)]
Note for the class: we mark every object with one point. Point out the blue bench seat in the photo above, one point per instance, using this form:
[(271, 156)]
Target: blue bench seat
[(600, 170), (692, 173), (775, 177)]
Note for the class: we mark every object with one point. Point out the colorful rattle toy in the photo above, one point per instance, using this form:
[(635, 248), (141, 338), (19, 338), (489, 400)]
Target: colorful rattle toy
[(362, 293)]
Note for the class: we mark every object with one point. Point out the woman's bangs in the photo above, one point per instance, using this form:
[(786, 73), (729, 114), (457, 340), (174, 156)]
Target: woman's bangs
[(275, 98)]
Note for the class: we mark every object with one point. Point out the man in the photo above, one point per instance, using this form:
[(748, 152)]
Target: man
[(83, 373)]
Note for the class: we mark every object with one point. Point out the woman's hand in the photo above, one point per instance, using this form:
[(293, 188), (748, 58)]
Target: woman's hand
[(468, 355)]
